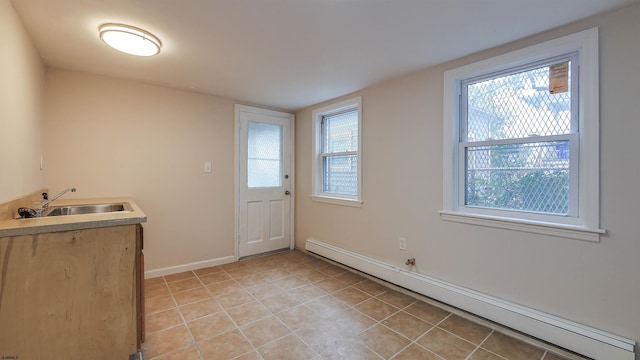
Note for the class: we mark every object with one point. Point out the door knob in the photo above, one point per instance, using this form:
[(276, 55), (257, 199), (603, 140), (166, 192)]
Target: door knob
[(287, 192)]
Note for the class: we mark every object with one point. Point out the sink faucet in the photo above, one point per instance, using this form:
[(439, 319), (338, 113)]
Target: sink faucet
[(26, 212), (45, 205)]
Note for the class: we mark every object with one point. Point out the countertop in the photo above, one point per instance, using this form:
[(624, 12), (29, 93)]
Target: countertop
[(16, 227)]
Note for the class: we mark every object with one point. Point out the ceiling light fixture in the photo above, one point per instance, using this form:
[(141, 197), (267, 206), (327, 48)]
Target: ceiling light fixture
[(130, 39)]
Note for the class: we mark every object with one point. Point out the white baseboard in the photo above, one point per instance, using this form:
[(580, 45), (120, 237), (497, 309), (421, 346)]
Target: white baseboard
[(188, 267), (576, 337)]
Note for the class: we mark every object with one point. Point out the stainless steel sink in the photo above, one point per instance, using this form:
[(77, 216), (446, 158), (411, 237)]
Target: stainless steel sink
[(88, 209)]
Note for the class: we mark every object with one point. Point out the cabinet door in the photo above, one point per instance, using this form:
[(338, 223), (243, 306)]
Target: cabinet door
[(68, 295)]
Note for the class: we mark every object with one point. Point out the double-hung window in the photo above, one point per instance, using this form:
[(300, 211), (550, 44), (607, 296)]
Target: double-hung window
[(521, 140), (337, 156)]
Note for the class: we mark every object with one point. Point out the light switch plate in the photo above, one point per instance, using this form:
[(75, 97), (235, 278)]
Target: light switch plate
[(207, 166), (402, 243)]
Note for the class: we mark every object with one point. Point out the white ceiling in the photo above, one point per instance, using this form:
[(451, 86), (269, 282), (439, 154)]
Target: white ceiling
[(287, 54)]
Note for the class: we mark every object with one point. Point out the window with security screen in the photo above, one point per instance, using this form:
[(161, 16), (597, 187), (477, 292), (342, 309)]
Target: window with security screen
[(517, 132), (522, 136), (340, 153), (337, 175)]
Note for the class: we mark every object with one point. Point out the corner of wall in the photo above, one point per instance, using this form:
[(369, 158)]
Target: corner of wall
[(21, 108)]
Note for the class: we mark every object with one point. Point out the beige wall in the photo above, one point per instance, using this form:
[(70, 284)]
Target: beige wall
[(597, 284), (110, 137), (21, 123)]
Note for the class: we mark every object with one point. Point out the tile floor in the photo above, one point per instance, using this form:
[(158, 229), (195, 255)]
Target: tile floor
[(293, 305)]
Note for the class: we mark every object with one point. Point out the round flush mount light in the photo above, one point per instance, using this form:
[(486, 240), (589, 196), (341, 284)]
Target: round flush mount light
[(130, 39)]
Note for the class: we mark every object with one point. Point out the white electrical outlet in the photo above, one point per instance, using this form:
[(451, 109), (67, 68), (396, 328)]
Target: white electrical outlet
[(403, 243)]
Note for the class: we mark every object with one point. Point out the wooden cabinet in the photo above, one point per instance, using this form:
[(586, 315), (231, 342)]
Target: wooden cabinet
[(72, 294), (140, 284)]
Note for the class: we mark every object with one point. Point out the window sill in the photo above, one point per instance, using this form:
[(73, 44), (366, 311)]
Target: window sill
[(551, 229), (337, 200)]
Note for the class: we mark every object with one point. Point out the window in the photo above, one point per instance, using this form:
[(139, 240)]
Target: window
[(264, 155), (521, 140), (337, 153), (516, 135)]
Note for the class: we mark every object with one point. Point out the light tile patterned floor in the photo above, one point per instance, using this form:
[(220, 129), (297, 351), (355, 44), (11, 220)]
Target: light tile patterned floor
[(293, 305)]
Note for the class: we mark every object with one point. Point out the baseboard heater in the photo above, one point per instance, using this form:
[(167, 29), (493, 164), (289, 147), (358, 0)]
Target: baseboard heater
[(570, 335)]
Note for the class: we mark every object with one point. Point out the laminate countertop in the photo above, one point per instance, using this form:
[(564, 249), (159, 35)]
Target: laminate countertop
[(47, 224)]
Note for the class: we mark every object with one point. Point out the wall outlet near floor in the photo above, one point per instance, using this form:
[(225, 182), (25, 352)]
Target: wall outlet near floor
[(403, 243)]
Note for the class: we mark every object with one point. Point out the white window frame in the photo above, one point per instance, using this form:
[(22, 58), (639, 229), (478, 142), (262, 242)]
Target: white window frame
[(584, 225), (317, 176)]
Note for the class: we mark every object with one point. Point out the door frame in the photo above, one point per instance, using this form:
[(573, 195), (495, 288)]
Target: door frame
[(236, 218)]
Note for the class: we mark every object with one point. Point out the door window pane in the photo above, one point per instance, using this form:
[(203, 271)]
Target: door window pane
[(264, 160)]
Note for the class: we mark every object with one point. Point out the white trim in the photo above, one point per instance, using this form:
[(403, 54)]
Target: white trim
[(292, 132), (585, 43), (236, 183), (568, 334), (188, 267), (292, 182), (336, 200), (316, 173), (535, 227)]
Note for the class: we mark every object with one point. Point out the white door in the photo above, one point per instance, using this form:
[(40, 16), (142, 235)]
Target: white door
[(264, 175)]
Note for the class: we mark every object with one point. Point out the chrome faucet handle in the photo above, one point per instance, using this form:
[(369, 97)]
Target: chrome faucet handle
[(27, 212), (46, 203)]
